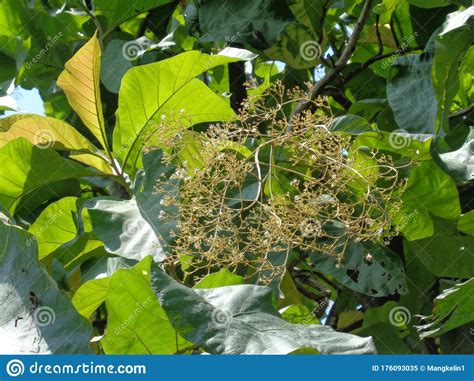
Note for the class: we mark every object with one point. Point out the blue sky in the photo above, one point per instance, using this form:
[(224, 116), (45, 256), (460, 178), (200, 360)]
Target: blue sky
[(27, 101)]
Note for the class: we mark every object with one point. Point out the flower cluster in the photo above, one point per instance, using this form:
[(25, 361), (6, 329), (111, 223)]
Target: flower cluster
[(262, 186)]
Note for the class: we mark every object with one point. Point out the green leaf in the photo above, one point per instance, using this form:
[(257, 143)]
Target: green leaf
[(466, 223), (90, 296), (309, 13), (55, 226), (386, 8), (136, 228), (81, 83), (446, 253), (121, 227), (453, 308), (221, 278), (151, 199), (36, 317), (254, 22), (410, 94), (452, 42), (429, 191), (24, 170), (241, 320), (351, 124), (299, 314), (386, 329), (118, 11), (460, 163), (382, 276), (416, 146), (114, 64), (166, 89), (430, 3), (297, 46), (59, 235), (136, 322)]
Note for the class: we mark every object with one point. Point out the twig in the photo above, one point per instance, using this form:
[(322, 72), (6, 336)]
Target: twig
[(323, 19), (343, 59), (392, 28), (376, 58), (460, 113), (94, 19), (379, 37)]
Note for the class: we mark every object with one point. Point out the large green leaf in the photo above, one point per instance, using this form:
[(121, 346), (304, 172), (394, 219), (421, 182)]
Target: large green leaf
[(55, 226), (382, 322), (382, 276), (241, 320), (150, 196), (460, 163), (35, 316), (452, 309), (58, 233), (451, 44), (218, 279), (297, 46), (351, 124), (410, 94), (166, 89), (447, 253), (119, 11), (429, 191), (115, 64), (123, 230), (309, 13), (135, 228), (24, 170), (254, 22), (136, 322)]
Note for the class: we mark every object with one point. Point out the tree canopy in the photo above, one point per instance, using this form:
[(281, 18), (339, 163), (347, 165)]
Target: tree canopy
[(237, 177)]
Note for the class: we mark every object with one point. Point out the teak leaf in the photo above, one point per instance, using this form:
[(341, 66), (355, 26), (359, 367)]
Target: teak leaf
[(80, 80)]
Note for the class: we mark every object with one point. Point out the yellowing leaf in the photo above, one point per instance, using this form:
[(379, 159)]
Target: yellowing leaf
[(42, 130), (80, 82), (46, 132), (95, 161)]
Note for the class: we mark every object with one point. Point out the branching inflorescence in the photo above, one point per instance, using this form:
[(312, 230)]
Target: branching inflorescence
[(259, 188)]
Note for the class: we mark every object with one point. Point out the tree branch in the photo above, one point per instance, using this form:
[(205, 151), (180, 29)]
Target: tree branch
[(340, 63)]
